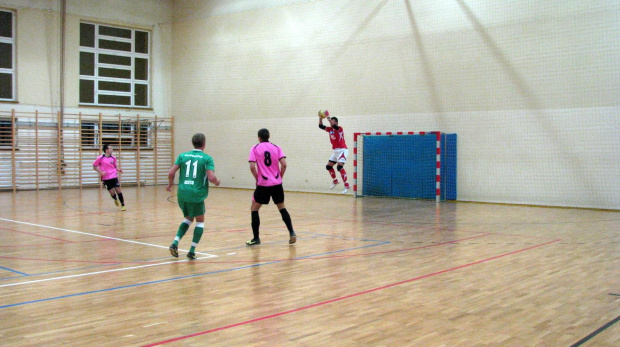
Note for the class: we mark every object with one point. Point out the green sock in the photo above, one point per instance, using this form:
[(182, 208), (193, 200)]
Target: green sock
[(183, 228), (197, 236)]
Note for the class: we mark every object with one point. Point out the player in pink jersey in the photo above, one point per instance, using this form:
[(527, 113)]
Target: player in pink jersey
[(268, 164), (340, 151), (105, 165)]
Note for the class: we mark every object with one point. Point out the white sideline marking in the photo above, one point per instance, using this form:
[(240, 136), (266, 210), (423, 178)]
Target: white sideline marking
[(150, 325), (206, 255), (95, 273), (96, 235)]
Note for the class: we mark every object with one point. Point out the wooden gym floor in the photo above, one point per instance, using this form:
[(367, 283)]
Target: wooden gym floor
[(76, 271)]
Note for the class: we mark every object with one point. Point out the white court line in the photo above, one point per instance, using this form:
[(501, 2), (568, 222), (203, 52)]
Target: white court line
[(206, 255), (150, 325), (96, 273), (95, 235)]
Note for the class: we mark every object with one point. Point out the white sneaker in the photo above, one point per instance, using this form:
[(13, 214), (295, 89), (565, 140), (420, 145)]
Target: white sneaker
[(334, 184), (345, 190)]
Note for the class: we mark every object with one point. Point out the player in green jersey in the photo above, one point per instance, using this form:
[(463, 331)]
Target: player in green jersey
[(196, 168)]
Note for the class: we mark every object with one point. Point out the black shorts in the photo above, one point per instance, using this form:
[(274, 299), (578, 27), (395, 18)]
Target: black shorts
[(262, 194), (111, 183)]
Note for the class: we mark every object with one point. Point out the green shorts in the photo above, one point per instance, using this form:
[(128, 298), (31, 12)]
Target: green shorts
[(192, 209)]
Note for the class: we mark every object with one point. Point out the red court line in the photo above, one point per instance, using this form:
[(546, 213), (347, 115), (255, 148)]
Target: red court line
[(47, 237), (423, 227), (346, 296), (32, 245), (61, 216), (397, 250), (235, 230), (340, 256), (82, 261), (504, 234), (98, 240)]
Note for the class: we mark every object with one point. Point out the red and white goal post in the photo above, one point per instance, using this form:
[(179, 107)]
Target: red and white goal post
[(358, 138)]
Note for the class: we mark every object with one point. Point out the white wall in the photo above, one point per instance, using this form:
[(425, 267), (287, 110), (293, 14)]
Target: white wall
[(38, 51), (39, 61), (531, 88)]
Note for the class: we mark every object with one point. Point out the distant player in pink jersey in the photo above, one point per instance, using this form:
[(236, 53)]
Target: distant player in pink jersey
[(268, 164), (105, 165), (340, 151)]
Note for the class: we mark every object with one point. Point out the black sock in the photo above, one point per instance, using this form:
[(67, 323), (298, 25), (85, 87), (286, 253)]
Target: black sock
[(114, 197), (287, 220), (255, 224), (120, 197)]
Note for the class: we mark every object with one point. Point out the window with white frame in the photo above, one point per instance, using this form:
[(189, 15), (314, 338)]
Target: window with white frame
[(114, 66), (7, 56), (126, 134)]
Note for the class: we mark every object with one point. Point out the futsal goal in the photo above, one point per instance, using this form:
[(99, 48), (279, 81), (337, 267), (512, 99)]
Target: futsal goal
[(416, 165)]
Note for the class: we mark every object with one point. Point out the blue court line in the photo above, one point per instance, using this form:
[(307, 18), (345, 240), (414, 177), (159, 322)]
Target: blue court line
[(134, 285), (17, 272), (244, 246), (181, 277), (164, 258), (157, 259), (85, 268), (342, 250)]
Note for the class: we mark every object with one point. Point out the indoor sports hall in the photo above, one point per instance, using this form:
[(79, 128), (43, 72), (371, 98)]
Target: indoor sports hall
[(477, 202)]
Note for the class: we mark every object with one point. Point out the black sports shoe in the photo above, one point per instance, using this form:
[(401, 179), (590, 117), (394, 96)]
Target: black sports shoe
[(253, 242), (191, 255), (174, 250), (293, 238)]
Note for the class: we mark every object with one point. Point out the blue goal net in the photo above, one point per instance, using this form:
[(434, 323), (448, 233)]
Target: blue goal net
[(409, 165)]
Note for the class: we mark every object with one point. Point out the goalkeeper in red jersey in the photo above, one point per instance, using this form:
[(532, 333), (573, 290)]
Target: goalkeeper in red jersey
[(339, 147)]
